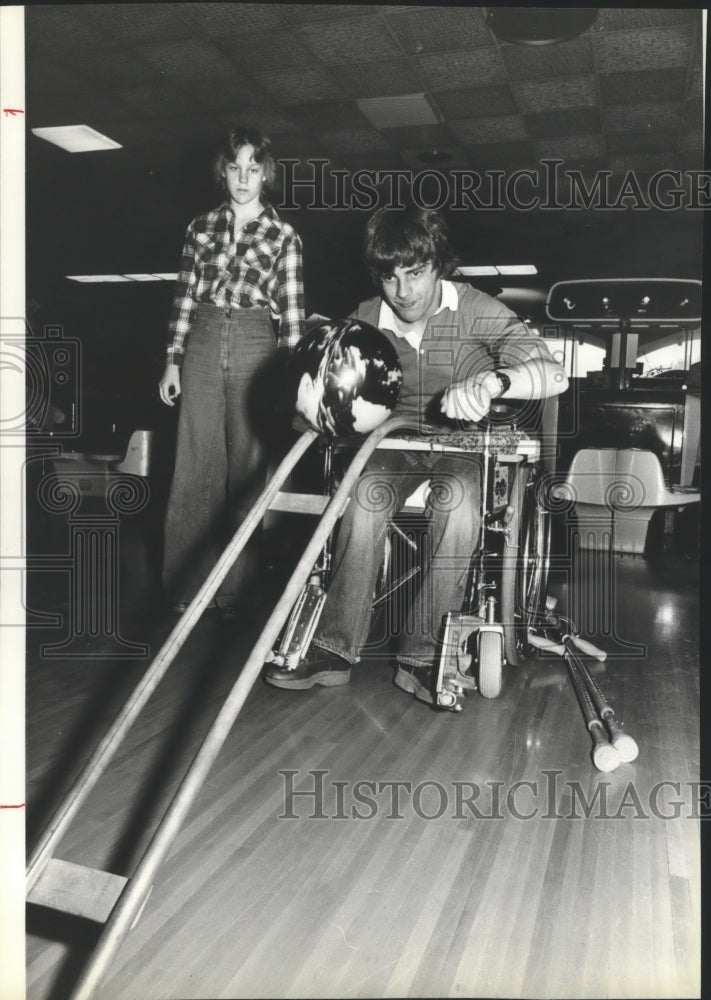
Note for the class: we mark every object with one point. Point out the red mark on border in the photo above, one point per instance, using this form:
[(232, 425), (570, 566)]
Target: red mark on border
[(12, 111), (20, 805)]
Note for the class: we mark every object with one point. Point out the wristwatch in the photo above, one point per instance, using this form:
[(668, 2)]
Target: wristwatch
[(504, 382)]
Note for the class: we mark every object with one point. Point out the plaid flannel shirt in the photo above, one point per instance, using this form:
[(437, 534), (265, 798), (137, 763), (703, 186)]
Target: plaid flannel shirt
[(261, 267)]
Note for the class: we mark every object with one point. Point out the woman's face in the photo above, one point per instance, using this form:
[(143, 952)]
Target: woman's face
[(244, 178)]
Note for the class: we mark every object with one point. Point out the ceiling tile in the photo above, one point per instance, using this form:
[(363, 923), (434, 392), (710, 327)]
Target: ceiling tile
[(61, 29), (351, 40), (159, 22), (691, 139), (319, 115), (470, 102), (476, 131), (118, 67), (216, 20), (693, 114), (692, 159), (638, 117), (537, 96), (502, 155), (354, 162), (237, 93), (574, 121), (655, 48), (165, 99), (461, 160), (572, 147), (461, 69), (433, 29), (294, 86), (615, 18), (641, 163), (535, 62), (254, 52), (196, 58), (355, 140), (323, 11), (419, 136), (299, 144), (651, 141), (696, 84), (643, 85), (272, 123), (375, 79)]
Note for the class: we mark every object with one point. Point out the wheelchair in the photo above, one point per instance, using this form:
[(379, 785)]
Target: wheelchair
[(506, 592)]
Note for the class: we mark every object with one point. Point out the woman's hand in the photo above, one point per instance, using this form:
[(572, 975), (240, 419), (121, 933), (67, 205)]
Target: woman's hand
[(169, 386)]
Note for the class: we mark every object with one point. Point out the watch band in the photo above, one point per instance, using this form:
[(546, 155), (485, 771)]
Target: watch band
[(504, 382)]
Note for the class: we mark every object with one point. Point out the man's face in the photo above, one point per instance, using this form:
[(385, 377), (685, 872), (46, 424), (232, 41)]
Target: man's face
[(413, 293), (243, 177)]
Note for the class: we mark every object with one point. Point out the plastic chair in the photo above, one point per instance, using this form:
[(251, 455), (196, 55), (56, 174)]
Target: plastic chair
[(615, 492)]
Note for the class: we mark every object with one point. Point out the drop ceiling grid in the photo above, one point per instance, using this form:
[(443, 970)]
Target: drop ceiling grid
[(178, 59)]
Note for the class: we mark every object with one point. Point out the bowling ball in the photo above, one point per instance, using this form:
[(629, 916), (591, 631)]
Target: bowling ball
[(348, 376)]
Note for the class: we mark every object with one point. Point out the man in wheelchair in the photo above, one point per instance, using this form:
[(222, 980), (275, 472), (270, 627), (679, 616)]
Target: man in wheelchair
[(460, 350)]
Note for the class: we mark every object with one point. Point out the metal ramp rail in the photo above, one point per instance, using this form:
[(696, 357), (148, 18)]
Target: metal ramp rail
[(117, 900)]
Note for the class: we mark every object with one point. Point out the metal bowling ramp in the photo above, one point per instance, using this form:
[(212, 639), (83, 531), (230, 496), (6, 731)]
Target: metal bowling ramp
[(116, 900)]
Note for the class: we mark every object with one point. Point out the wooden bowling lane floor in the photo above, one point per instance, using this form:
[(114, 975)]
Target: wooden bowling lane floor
[(353, 842)]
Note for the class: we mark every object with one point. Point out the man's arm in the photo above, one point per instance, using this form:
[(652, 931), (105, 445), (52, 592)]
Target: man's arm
[(535, 376)]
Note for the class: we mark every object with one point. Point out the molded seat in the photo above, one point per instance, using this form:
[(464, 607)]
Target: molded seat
[(615, 492)]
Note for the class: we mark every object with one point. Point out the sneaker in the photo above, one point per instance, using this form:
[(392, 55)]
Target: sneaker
[(415, 680), (318, 667)]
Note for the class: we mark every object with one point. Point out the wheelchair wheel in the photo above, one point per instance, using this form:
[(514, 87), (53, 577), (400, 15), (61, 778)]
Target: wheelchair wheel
[(490, 664), (524, 571)]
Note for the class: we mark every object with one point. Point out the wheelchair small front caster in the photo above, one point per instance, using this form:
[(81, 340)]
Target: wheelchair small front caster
[(491, 660)]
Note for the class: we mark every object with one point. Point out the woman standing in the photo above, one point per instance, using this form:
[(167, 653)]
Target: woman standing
[(239, 296)]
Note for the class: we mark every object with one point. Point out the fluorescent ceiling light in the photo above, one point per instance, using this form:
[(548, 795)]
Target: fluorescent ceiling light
[(394, 112), (484, 271), (491, 270), (517, 269), (76, 138), (99, 278), (95, 278)]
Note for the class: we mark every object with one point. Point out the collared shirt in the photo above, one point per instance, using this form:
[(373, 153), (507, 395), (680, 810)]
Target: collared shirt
[(386, 319), (258, 265), (475, 333)]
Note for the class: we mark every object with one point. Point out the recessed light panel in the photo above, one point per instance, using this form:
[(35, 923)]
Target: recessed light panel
[(76, 138), (517, 269)]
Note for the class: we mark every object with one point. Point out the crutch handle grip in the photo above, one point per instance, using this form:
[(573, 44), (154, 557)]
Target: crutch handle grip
[(540, 642), (587, 647)]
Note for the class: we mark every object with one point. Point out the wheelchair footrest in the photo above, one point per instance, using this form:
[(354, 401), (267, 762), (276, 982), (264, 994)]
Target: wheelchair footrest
[(454, 673), (300, 627)]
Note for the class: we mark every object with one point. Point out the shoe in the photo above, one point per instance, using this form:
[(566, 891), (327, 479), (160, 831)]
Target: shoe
[(415, 680), (317, 667)]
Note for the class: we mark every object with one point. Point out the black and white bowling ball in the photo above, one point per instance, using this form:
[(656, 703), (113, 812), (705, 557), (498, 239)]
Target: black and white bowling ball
[(348, 376)]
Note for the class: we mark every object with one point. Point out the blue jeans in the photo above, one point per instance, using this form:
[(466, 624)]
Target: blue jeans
[(220, 466), (453, 533)]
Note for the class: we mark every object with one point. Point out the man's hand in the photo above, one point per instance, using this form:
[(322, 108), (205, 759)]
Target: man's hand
[(169, 386), (470, 399)]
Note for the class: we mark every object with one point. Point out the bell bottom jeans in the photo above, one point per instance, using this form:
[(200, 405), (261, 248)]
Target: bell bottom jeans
[(453, 532), (220, 466)]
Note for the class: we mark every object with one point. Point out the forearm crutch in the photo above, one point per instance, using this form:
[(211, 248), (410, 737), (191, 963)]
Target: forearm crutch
[(620, 747)]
